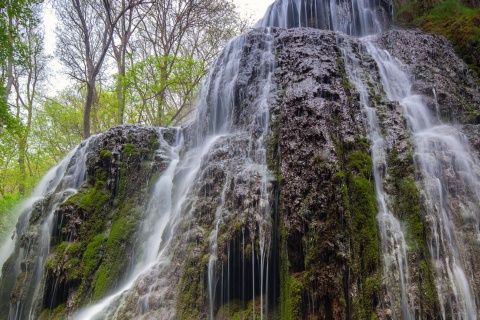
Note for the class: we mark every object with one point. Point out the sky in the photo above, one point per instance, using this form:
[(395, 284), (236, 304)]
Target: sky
[(250, 9), (254, 8)]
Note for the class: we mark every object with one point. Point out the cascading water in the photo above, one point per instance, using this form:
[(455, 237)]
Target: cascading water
[(214, 126), (31, 249), (353, 17), (207, 240), (394, 246), (440, 150)]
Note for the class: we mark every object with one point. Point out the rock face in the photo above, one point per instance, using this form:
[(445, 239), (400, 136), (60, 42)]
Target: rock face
[(272, 202)]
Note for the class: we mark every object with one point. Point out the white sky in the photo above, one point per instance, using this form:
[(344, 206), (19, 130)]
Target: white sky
[(251, 9)]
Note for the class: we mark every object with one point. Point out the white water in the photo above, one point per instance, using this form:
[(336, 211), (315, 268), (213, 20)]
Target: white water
[(353, 17), (62, 181), (440, 150), (255, 165), (394, 246)]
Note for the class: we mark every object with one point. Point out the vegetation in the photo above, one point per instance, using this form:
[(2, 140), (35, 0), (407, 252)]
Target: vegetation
[(157, 76), (457, 21)]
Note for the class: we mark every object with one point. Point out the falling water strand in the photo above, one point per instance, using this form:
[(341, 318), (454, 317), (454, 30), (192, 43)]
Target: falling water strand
[(212, 262), (394, 247), (255, 166), (59, 183), (258, 157), (353, 17), (437, 106), (157, 216), (439, 148)]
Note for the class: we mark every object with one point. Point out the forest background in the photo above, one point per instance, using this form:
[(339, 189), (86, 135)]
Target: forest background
[(133, 61)]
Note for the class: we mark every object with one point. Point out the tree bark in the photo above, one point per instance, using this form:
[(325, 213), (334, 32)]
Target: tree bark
[(88, 108)]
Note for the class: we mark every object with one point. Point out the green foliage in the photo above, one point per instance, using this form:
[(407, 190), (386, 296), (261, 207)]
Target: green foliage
[(13, 15), (458, 23), (159, 87), (8, 213)]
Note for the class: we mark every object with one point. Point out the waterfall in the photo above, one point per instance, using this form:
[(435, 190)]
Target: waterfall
[(353, 17), (394, 246), (212, 129), (31, 249), (440, 150), (212, 222)]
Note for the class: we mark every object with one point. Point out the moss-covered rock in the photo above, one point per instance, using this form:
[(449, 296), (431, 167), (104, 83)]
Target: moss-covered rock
[(94, 237)]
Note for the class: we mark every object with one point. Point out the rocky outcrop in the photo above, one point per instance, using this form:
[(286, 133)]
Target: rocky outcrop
[(441, 77), (88, 250)]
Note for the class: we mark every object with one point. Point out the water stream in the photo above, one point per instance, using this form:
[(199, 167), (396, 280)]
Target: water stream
[(394, 246), (56, 186), (447, 179), (352, 17)]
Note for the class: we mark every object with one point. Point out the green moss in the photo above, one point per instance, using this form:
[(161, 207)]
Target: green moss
[(363, 211), (360, 199), (360, 164), (190, 299), (114, 259), (292, 296), (73, 249), (459, 24), (93, 254), (105, 155), (406, 205), (56, 314), (95, 198), (130, 150)]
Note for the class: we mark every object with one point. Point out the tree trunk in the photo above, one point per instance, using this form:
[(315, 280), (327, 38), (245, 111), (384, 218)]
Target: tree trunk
[(88, 109), (22, 184), (121, 91)]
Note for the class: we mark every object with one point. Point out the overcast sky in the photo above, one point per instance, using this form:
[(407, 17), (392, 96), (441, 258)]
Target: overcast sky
[(254, 8)]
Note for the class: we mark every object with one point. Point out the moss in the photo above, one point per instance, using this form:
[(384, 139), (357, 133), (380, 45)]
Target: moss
[(93, 254), (407, 207), (292, 296), (114, 259), (363, 211), (233, 310), (459, 24), (360, 164), (130, 150), (360, 199), (95, 198), (55, 314), (73, 249), (190, 299), (105, 155)]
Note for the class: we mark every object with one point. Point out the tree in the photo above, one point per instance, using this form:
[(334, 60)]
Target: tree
[(123, 32), (28, 73), (84, 39), (172, 35), (13, 14)]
